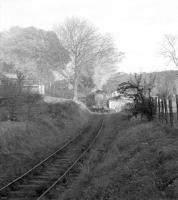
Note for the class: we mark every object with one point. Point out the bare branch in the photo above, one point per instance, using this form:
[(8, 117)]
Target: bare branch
[(87, 47), (169, 50)]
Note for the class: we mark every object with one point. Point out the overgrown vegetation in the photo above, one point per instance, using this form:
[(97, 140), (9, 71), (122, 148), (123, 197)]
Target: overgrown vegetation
[(25, 142), (132, 161), (139, 89)]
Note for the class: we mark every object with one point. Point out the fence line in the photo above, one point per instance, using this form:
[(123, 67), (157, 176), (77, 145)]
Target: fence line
[(167, 110)]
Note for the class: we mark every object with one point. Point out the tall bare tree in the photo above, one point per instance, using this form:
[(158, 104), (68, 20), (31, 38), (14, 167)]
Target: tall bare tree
[(169, 49), (87, 48), (166, 87)]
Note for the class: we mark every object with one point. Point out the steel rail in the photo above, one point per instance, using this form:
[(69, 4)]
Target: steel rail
[(40, 163), (72, 165), (13, 183)]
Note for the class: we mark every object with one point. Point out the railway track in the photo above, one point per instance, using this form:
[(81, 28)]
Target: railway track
[(36, 183)]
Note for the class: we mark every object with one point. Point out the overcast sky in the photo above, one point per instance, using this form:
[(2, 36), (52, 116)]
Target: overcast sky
[(138, 26)]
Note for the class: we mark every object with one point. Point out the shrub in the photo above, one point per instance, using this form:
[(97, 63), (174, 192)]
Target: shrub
[(90, 100), (17, 104), (144, 108)]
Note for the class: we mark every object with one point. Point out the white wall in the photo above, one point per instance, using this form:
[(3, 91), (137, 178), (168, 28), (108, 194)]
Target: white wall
[(118, 105)]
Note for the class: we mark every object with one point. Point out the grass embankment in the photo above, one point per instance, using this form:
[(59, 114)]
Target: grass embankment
[(132, 161), (24, 143)]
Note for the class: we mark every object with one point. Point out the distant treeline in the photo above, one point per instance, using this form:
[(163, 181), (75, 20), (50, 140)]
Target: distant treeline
[(166, 82)]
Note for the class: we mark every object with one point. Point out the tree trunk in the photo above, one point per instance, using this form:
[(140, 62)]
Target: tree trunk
[(76, 69), (75, 98)]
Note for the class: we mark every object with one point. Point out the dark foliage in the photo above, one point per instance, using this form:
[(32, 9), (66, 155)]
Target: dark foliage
[(139, 89), (144, 108), (90, 100), (18, 103)]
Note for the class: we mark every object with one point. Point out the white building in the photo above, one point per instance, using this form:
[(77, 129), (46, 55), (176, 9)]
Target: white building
[(117, 104), (8, 78)]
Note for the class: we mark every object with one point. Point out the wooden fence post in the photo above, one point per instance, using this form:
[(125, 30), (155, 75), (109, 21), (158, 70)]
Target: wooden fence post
[(177, 107), (166, 112), (159, 115), (162, 110), (152, 103), (170, 112), (155, 105)]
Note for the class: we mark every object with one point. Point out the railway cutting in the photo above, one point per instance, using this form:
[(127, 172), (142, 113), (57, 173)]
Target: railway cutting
[(42, 178)]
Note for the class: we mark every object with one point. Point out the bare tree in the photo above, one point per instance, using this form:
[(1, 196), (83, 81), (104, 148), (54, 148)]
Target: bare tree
[(166, 87), (169, 49), (87, 48), (139, 88), (140, 85)]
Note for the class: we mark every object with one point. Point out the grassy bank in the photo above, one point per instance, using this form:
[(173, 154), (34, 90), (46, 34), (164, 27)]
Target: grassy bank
[(25, 142), (132, 160)]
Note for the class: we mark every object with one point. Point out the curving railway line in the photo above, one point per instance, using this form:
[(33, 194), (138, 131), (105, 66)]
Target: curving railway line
[(36, 183)]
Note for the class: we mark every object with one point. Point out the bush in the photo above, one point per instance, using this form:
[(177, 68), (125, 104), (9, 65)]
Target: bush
[(24, 143), (144, 108), (90, 100), (17, 104)]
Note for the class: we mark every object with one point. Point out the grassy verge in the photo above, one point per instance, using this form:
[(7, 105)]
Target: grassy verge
[(24, 143), (132, 161)]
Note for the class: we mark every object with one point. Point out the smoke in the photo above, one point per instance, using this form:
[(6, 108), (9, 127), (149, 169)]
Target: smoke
[(102, 74)]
